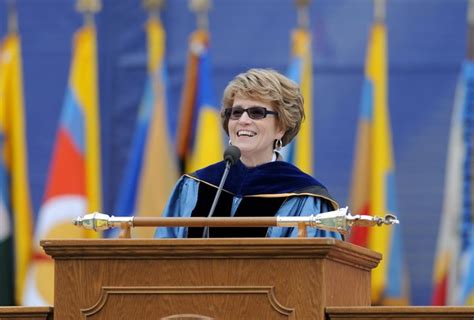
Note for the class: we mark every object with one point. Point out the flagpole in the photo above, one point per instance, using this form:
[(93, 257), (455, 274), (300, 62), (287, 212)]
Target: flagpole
[(201, 9), (379, 10), (303, 13), (88, 8), (85, 48)]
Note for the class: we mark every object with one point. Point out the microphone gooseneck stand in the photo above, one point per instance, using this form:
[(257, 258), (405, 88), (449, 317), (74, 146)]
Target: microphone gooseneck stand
[(231, 156)]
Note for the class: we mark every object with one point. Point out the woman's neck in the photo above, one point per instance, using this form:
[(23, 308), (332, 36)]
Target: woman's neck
[(250, 162)]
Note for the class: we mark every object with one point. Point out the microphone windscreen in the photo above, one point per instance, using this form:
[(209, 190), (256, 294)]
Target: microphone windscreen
[(232, 154)]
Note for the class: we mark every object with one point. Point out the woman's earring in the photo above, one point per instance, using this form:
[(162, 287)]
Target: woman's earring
[(278, 144), (230, 142)]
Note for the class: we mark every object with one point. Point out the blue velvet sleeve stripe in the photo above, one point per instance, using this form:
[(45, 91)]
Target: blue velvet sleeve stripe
[(180, 204)]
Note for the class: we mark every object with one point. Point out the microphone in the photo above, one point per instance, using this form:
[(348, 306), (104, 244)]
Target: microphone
[(231, 156)]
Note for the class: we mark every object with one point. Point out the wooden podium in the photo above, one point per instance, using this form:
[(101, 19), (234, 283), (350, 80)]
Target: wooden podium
[(290, 278)]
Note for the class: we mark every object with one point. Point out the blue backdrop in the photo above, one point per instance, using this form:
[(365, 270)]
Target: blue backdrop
[(427, 43)]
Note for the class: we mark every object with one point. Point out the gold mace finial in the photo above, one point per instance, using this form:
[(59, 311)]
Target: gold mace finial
[(379, 10), (12, 17), (201, 8), (303, 13)]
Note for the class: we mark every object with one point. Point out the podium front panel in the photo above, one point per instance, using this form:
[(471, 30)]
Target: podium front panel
[(208, 278)]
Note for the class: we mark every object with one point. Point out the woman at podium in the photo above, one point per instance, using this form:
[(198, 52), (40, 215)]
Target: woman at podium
[(262, 112)]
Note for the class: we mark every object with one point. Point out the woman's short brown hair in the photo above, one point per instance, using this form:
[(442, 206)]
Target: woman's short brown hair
[(268, 86)]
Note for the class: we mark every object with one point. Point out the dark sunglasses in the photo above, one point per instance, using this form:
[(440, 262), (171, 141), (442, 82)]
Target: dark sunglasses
[(255, 113)]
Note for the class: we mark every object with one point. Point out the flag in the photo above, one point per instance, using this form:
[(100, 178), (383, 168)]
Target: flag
[(300, 150), (200, 133), (453, 270), (15, 206), (74, 181), (152, 169), (373, 182)]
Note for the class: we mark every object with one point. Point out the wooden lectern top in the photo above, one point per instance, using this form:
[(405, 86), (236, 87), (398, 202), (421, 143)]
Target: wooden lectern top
[(327, 248)]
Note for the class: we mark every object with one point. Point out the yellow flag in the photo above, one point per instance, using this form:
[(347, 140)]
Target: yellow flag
[(14, 156)]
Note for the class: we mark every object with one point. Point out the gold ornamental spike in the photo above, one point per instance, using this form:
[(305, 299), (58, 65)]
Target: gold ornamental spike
[(303, 13), (470, 12), (153, 5), (379, 10), (12, 17), (470, 32), (201, 9), (88, 8)]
